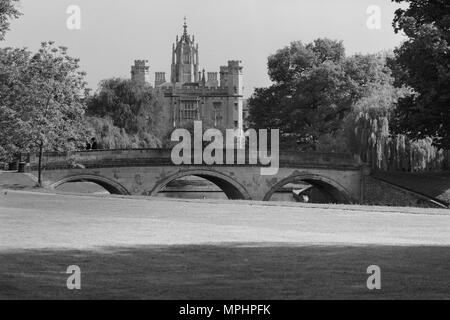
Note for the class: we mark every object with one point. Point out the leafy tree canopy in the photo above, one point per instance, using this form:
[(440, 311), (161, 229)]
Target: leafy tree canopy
[(133, 107), (8, 11), (315, 87), (112, 137), (423, 63), (42, 100)]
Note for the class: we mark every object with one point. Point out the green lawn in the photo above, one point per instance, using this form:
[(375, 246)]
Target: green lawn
[(238, 271), (184, 249)]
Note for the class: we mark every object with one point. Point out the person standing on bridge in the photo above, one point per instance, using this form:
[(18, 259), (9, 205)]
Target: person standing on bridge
[(93, 144)]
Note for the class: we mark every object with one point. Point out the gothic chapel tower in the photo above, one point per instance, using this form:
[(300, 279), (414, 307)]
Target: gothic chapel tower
[(185, 59)]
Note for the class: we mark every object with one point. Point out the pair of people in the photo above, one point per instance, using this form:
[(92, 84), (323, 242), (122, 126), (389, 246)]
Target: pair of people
[(92, 145)]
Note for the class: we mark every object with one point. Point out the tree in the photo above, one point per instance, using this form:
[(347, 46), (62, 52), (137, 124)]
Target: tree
[(134, 107), (111, 137), (42, 101), (423, 63), (8, 11), (315, 87)]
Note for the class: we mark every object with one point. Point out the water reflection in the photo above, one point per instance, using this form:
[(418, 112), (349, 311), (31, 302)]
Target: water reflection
[(192, 187), (82, 187)]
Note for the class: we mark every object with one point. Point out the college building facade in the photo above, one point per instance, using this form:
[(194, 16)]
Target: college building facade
[(216, 98)]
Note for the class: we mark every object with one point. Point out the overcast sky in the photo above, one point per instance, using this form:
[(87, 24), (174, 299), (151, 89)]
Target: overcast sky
[(116, 32)]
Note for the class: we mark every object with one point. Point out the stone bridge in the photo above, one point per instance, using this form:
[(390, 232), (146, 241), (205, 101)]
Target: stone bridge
[(148, 171)]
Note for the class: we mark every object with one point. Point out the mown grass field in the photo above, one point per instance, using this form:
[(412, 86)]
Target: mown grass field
[(166, 249), (228, 272)]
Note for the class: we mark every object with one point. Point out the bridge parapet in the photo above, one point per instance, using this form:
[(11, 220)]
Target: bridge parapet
[(149, 157)]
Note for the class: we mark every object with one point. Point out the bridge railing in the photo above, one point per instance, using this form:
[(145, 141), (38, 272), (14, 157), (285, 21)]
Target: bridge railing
[(146, 157)]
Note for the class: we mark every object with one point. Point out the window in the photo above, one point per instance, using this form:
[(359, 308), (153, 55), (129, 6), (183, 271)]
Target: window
[(189, 110), (217, 113), (186, 54), (186, 58)]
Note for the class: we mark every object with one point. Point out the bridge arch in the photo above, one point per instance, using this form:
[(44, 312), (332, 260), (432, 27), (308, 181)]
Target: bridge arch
[(233, 189), (328, 185), (111, 186)]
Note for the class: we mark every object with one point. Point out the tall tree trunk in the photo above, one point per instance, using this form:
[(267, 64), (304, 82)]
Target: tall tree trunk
[(41, 148)]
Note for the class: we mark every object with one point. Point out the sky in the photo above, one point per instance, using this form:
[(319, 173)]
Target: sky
[(114, 33)]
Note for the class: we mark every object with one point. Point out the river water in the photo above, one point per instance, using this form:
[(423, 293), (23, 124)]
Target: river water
[(184, 188)]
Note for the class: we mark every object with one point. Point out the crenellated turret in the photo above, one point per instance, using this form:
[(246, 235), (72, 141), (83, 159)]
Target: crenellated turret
[(235, 77), (140, 71)]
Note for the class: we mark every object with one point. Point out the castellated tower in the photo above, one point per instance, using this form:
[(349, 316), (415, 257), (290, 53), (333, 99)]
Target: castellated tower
[(140, 72), (235, 85), (235, 78)]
